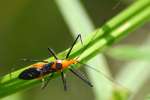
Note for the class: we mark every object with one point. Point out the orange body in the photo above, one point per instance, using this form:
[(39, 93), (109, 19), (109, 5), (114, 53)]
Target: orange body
[(64, 64)]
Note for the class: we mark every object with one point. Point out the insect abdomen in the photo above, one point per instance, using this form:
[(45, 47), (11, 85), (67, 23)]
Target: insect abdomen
[(30, 73)]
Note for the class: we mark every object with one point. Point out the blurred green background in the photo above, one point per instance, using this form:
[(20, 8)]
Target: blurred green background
[(28, 27)]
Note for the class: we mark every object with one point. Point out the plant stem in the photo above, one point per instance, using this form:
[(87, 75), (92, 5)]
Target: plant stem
[(79, 21)]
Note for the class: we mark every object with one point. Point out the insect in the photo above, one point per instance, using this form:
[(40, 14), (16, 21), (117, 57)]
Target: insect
[(39, 70)]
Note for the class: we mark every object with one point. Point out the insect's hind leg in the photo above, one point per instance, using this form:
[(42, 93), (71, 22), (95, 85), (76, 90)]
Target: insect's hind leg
[(81, 77), (78, 37)]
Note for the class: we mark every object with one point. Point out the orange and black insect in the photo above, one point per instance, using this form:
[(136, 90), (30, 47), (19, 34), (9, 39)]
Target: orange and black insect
[(45, 68)]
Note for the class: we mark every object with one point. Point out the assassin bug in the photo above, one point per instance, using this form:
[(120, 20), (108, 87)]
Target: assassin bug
[(39, 70)]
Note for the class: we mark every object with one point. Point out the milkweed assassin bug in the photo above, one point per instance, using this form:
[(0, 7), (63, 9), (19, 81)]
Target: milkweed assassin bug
[(39, 70)]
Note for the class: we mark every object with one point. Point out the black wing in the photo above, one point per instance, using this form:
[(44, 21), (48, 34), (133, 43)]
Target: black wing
[(30, 73)]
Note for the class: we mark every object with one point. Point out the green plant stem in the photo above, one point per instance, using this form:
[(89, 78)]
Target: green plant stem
[(130, 52), (78, 21), (98, 43), (132, 10), (119, 32)]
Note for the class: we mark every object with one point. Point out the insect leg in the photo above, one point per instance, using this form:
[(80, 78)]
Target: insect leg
[(43, 82), (79, 36), (47, 81), (81, 77), (52, 53), (64, 80)]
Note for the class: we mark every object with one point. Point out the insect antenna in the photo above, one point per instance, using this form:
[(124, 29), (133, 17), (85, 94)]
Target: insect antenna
[(33, 60), (102, 73)]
